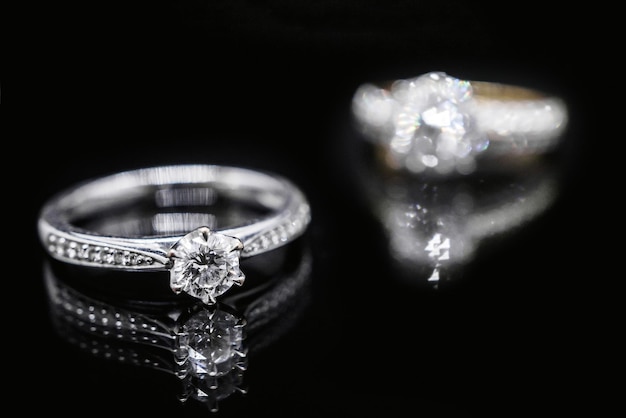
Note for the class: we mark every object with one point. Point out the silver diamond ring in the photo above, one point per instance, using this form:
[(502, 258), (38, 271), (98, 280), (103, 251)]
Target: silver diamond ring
[(435, 123), (195, 221)]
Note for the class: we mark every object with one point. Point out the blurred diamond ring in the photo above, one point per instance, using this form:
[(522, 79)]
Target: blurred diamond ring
[(439, 124)]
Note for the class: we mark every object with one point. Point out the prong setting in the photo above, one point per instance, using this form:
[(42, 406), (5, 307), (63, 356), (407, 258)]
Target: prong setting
[(205, 264)]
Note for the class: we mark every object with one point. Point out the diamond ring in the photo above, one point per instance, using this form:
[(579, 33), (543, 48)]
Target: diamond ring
[(438, 124), (195, 221)]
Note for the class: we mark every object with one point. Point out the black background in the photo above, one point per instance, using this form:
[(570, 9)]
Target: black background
[(268, 85)]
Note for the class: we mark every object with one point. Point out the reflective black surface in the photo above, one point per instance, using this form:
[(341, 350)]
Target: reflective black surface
[(268, 85)]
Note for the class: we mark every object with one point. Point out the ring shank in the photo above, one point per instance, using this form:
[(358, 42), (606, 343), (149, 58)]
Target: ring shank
[(277, 212)]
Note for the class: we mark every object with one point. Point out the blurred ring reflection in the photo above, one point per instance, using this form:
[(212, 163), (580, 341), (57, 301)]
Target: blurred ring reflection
[(435, 226)]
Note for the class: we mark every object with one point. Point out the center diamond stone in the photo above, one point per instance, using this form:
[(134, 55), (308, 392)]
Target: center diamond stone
[(434, 127), (205, 264)]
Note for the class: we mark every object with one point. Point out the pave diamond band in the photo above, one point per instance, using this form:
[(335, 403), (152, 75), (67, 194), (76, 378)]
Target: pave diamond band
[(195, 221), (436, 123)]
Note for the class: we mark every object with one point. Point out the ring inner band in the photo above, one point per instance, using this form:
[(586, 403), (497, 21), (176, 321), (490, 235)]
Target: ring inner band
[(494, 91), (167, 210), (164, 202), (497, 91)]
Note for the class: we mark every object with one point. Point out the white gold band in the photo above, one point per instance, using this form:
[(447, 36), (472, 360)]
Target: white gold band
[(98, 223), (288, 213)]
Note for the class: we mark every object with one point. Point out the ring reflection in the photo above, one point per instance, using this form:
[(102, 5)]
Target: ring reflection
[(207, 348)]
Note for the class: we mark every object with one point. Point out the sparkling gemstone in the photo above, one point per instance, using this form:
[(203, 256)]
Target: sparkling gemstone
[(205, 264), (434, 127)]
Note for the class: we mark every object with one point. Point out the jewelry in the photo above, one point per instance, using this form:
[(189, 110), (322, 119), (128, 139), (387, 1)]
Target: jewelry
[(438, 124), (207, 347), (195, 221)]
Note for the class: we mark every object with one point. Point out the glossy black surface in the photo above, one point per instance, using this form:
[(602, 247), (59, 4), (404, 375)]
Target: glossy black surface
[(268, 85)]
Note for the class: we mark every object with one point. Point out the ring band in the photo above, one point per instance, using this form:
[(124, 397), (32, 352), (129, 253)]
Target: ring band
[(195, 221), (435, 123)]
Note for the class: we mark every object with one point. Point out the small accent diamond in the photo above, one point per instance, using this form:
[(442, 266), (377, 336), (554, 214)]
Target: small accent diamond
[(205, 264)]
